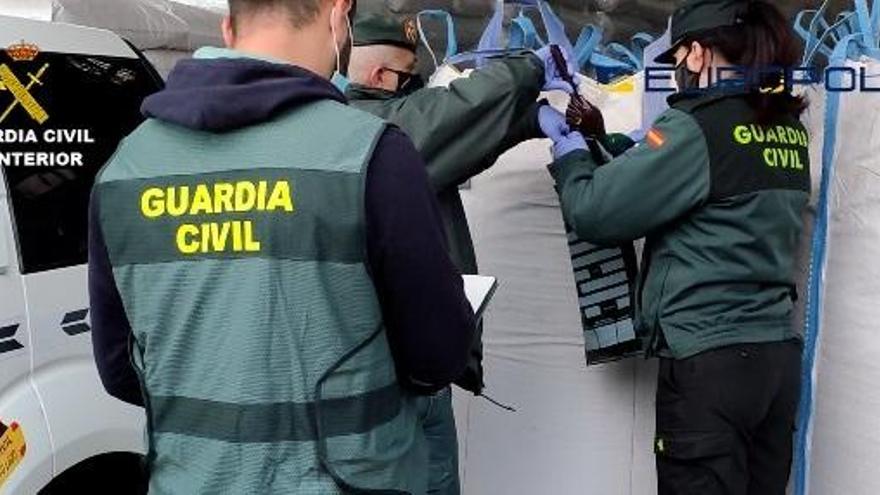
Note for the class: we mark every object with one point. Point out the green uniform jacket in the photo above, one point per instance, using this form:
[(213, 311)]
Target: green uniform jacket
[(719, 199), (460, 131)]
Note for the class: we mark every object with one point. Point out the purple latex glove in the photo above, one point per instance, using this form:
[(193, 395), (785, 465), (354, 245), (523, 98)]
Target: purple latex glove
[(552, 77), (555, 127)]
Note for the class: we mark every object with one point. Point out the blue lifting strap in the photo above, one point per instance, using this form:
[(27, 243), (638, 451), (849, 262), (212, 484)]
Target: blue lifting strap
[(861, 40), (451, 39)]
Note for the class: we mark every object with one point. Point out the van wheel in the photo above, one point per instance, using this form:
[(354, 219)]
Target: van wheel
[(118, 473)]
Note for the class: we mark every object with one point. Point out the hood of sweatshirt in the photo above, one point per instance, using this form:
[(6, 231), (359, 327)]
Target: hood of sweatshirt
[(222, 90)]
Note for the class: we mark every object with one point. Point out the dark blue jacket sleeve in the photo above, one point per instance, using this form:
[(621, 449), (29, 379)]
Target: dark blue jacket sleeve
[(111, 331), (429, 321)]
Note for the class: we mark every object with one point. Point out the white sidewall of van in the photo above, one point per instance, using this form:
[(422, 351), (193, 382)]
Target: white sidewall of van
[(19, 403), (84, 420), (51, 387), (18, 399)]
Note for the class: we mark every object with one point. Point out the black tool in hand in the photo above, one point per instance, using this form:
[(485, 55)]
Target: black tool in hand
[(581, 114), (562, 68)]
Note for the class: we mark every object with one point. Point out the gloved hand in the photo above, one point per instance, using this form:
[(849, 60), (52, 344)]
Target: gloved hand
[(586, 118), (553, 79), (553, 125)]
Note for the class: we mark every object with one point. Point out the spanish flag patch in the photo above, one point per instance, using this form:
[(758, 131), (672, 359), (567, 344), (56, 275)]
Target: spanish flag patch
[(655, 139)]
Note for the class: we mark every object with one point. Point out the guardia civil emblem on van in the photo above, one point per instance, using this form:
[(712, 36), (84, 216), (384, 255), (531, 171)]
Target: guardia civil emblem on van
[(23, 51), (19, 88)]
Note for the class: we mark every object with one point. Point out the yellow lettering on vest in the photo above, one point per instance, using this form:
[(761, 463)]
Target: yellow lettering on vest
[(250, 243), (261, 195), (805, 139), (798, 165), (742, 135), (758, 133), (280, 198), (185, 243), (205, 236), (153, 202), (780, 133), (770, 157), (219, 236), (245, 196), (771, 136), (237, 244), (783, 156), (793, 136), (223, 193), (177, 200), (201, 203)]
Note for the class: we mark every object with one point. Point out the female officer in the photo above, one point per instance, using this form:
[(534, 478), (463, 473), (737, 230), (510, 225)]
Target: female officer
[(717, 187)]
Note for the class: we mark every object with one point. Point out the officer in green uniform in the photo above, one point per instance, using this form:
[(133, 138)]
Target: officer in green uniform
[(273, 262), (496, 106), (717, 187), (460, 131)]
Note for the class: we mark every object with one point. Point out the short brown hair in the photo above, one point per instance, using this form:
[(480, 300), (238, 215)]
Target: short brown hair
[(300, 12)]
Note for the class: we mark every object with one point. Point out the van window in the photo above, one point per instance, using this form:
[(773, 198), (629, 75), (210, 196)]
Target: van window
[(61, 118)]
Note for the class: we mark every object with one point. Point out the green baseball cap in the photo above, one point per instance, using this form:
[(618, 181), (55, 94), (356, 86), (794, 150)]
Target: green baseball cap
[(696, 16), (375, 29)]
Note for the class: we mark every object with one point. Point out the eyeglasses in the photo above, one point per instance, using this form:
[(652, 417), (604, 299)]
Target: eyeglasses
[(403, 78)]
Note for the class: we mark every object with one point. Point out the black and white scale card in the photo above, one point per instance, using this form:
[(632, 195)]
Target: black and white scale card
[(605, 280)]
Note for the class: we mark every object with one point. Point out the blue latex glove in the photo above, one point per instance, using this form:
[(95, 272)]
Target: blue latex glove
[(553, 125), (552, 77)]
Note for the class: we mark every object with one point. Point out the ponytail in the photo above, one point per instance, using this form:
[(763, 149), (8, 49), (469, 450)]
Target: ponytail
[(762, 40)]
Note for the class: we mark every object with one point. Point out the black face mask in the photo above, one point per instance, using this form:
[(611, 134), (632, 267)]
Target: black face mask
[(407, 82), (685, 78)]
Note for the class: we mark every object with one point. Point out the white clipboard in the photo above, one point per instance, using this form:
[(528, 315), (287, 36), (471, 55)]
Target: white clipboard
[(479, 290)]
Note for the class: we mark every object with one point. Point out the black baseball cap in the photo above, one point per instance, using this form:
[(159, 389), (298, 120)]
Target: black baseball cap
[(696, 16), (377, 29)]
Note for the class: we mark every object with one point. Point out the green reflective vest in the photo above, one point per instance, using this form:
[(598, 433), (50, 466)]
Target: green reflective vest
[(240, 259)]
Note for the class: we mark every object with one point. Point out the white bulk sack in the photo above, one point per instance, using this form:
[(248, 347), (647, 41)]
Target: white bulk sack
[(846, 420), (166, 31), (575, 429), (165, 60), (654, 102), (148, 24), (621, 102)]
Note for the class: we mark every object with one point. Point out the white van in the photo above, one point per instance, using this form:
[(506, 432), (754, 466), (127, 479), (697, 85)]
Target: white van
[(67, 96)]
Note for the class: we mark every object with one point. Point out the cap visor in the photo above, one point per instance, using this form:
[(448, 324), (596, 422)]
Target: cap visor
[(399, 44), (667, 57)]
